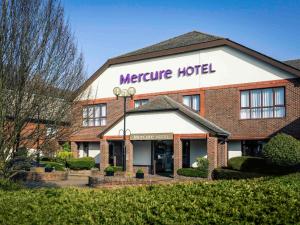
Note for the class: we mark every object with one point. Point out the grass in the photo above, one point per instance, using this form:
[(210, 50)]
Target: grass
[(270, 200)]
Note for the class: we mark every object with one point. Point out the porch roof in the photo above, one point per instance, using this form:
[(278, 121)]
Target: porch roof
[(165, 103)]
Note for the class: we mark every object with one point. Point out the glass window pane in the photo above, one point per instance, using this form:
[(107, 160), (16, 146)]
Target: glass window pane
[(84, 112), (196, 103), (279, 112), (85, 122), (267, 97), (245, 114), (97, 121), (256, 113), (103, 110), (279, 96), (91, 122), (91, 112), (97, 111), (255, 98), (245, 99), (145, 101), (187, 100), (137, 103), (267, 112), (103, 121)]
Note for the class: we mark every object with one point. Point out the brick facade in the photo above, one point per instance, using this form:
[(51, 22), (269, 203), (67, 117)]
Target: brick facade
[(129, 157), (222, 107), (177, 155), (104, 155), (212, 149)]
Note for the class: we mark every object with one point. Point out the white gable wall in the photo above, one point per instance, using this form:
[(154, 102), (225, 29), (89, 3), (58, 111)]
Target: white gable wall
[(232, 67), (157, 122)]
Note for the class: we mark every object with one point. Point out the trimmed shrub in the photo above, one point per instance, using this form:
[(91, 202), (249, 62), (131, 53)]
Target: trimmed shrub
[(109, 169), (55, 165), (9, 185), (202, 163), (85, 163), (117, 168), (283, 150), (140, 171), (227, 174), (192, 172), (248, 164)]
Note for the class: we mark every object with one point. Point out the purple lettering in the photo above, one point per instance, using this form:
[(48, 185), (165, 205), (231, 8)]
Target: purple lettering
[(140, 77), (161, 74), (133, 78), (181, 72), (154, 77), (211, 70), (145, 78), (168, 74), (204, 68), (125, 80), (197, 69), (189, 70)]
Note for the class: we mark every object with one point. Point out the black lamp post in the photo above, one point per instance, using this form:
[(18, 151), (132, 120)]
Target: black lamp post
[(124, 93)]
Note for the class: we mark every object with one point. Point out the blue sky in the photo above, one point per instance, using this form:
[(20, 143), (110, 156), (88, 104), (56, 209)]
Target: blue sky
[(108, 28)]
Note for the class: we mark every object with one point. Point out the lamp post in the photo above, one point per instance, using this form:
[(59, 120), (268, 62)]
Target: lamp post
[(124, 93)]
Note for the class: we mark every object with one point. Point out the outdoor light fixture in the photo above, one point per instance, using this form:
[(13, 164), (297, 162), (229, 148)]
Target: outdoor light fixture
[(125, 93)]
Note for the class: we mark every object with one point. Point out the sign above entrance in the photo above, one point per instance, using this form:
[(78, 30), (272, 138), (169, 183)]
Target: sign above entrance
[(154, 136), (166, 74)]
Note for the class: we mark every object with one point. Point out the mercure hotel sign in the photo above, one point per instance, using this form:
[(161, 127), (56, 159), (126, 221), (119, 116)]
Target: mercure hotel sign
[(166, 74)]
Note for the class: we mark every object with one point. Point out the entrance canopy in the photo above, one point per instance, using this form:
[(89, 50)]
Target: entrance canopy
[(163, 115)]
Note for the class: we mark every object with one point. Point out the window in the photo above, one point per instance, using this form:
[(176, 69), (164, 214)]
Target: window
[(192, 101), (252, 148), (140, 102), (262, 103), (94, 115)]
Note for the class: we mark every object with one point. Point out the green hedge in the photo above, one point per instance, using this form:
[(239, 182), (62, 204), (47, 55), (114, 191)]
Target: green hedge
[(283, 150), (256, 201), (248, 164), (192, 172), (85, 163), (228, 174), (57, 166)]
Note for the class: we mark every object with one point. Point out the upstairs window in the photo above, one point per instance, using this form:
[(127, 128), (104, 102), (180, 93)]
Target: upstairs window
[(192, 101), (94, 115), (140, 102), (263, 103)]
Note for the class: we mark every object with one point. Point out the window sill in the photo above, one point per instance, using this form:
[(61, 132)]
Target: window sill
[(274, 118), (92, 126)]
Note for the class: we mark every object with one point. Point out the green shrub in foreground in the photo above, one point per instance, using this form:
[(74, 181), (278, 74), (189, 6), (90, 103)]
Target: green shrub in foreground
[(85, 163), (192, 172), (283, 150), (8, 185), (228, 174), (257, 201), (57, 166)]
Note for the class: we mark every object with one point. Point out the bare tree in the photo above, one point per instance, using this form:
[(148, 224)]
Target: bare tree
[(40, 69)]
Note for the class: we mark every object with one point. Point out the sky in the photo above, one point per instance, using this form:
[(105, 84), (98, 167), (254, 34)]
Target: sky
[(107, 28)]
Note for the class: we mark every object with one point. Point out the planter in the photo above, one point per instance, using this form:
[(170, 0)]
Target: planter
[(139, 175), (48, 169), (109, 173), (37, 169)]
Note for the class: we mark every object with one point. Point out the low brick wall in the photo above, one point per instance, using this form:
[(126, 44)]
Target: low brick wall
[(43, 176)]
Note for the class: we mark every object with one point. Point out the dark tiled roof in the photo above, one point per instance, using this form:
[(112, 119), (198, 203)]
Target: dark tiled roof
[(186, 39), (294, 63), (164, 103)]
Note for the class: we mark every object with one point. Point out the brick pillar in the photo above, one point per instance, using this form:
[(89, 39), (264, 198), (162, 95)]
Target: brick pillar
[(222, 153), (129, 157), (212, 147), (177, 156), (74, 149), (104, 155)]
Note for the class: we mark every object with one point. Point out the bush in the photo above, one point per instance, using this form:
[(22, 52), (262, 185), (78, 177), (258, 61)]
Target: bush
[(140, 171), (64, 155), (202, 163), (109, 169), (55, 165), (283, 150), (117, 168), (192, 172), (9, 185), (227, 174), (85, 163), (253, 201), (248, 164)]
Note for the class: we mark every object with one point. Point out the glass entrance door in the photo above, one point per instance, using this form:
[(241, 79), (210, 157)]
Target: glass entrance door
[(163, 157)]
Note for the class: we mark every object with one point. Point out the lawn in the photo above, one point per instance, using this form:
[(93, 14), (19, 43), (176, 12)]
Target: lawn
[(257, 201)]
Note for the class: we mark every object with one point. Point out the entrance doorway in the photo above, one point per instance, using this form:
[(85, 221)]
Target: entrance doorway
[(163, 157), (116, 153)]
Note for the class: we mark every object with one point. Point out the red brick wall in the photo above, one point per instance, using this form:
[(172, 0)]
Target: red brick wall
[(223, 107)]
